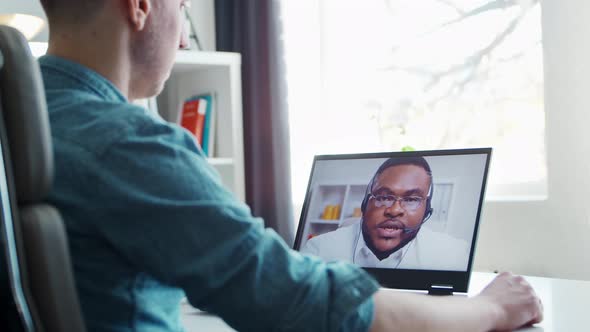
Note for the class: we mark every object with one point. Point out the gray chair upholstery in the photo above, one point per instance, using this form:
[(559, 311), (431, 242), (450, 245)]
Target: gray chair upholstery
[(34, 243)]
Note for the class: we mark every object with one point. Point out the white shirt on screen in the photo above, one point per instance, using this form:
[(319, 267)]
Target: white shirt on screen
[(428, 251)]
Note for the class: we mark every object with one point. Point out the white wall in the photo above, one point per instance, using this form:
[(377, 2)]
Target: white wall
[(550, 237)]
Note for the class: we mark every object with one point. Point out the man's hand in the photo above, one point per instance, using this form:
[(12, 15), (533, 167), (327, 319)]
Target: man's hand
[(507, 303), (514, 300)]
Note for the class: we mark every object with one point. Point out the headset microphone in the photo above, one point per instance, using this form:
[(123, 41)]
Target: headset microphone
[(419, 161), (403, 161), (408, 230)]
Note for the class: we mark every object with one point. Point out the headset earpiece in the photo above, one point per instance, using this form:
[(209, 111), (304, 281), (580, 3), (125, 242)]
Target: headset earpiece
[(428, 211), (367, 192), (364, 203), (427, 214)]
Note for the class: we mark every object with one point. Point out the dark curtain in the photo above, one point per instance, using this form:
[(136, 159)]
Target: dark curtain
[(253, 28)]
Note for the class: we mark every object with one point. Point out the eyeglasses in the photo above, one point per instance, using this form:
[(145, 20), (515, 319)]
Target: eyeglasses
[(408, 203)]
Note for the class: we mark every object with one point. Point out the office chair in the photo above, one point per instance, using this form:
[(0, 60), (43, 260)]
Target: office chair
[(34, 243)]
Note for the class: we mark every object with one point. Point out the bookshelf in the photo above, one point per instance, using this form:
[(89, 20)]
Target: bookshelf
[(198, 72), (347, 196)]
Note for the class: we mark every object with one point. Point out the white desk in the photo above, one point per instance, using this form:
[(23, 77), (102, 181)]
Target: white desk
[(567, 304)]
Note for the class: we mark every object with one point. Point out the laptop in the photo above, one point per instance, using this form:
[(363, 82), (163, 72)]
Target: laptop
[(410, 219)]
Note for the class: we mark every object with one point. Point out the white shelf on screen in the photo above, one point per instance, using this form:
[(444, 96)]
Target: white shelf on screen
[(325, 221)]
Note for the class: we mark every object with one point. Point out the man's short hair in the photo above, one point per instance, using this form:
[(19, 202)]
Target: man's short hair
[(71, 11), (396, 161)]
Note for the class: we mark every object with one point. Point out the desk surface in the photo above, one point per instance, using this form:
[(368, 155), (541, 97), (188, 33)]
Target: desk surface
[(566, 302)]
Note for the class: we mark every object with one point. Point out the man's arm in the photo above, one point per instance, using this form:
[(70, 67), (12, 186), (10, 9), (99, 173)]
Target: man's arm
[(506, 303), (163, 209)]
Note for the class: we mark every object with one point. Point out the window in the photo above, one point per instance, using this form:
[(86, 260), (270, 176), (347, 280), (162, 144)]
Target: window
[(387, 75)]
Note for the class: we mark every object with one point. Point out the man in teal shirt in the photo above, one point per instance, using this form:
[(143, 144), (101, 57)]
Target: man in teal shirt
[(149, 221)]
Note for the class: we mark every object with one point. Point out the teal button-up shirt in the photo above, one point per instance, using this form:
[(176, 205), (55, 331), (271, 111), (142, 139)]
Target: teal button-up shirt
[(149, 222)]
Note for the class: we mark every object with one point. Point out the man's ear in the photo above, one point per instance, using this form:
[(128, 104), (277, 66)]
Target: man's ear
[(138, 11)]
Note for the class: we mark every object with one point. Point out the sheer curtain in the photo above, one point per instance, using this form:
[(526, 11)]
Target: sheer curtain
[(252, 28)]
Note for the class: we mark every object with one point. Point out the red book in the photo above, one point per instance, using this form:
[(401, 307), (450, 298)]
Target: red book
[(193, 118)]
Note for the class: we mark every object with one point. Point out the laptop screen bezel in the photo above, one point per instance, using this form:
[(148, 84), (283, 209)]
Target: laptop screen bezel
[(405, 278)]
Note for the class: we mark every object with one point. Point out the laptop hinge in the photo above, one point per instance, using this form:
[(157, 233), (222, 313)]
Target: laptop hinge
[(440, 290)]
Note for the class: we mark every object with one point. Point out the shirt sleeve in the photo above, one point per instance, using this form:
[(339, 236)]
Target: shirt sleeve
[(165, 209)]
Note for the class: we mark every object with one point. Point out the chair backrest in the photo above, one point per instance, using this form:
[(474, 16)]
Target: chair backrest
[(34, 243)]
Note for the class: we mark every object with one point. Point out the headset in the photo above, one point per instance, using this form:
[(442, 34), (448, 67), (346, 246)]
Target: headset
[(391, 162)]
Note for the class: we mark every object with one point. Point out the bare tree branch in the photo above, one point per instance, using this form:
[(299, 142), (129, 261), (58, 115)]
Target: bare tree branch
[(473, 61), (470, 69), (519, 55), (451, 4), (460, 85), (419, 71), (492, 5)]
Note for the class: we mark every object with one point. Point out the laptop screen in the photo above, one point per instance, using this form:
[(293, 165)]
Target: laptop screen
[(413, 211)]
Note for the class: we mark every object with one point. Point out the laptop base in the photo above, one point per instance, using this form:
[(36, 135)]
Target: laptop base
[(440, 290)]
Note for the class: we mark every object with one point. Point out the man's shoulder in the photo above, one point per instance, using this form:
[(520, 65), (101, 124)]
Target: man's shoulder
[(339, 234), (95, 125), (435, 242), (428, 234), (332, 245), (437, 251)]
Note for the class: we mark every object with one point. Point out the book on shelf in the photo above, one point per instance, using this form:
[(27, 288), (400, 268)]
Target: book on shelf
[(198, 117), (193, 117), (209, 130)]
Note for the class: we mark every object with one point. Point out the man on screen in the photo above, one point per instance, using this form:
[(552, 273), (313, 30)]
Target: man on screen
[(390, 233)]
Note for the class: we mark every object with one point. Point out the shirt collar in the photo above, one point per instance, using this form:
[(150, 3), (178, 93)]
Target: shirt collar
[(60, 73)]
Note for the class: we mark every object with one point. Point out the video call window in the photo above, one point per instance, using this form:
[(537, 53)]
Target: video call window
[(416, 213)]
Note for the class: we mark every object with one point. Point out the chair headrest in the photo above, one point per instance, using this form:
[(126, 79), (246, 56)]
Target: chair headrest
[(24, 111)]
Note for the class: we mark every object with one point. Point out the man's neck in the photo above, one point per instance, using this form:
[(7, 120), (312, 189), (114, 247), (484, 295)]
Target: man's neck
[(93, 49)]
